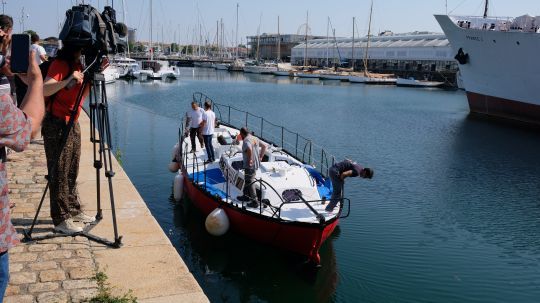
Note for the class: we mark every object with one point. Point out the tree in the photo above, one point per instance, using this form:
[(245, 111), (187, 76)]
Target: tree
[(175, 48), (30, 32)]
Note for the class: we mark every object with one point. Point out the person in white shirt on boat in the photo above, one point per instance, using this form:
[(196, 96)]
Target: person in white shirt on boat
[(252, 151), (338, 173), (193, 122), (41, 54), (208, 125)]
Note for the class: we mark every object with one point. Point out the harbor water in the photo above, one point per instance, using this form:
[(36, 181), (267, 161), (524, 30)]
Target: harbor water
[(451, 215)]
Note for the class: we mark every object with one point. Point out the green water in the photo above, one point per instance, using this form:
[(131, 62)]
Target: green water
[(452, 214)]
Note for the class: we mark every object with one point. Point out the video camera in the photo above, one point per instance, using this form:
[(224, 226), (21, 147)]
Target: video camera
[(97, 34)]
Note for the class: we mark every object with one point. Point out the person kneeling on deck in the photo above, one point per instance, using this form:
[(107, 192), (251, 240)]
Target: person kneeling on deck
[(193, 122), (338, 172), (208, 125), (252, 152)]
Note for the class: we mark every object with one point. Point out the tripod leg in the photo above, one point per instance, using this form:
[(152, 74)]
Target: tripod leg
[(28, 234), (95, 141), (105, 146)]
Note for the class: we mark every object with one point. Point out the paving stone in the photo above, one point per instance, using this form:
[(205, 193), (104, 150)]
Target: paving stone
[(15, 267), (77, 284), (12, 290), (22, 278), (77, 263), (42, 287), (83, 295), (74, 246), (43, 265), (52, 275), (19, 299), (56, 254), (82, 273), (23, 257), (52, 297), (83, 253), (42, 247)]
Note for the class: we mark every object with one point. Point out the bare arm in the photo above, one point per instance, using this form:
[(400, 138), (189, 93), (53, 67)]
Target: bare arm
[(51, 86), (249, 153), (43, 57), (346, 174), (263, 150), (33, 104)]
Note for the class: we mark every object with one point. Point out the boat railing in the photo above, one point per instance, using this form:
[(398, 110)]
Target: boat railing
[(291, 142)]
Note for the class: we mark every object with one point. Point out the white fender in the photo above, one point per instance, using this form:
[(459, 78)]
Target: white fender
[(217, 222), (174, 167), (175, 151), (178, 188)]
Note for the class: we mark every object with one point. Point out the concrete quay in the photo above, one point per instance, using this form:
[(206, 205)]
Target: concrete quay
[(62, 269)]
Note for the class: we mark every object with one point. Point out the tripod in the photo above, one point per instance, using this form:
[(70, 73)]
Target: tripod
[(101, 141)]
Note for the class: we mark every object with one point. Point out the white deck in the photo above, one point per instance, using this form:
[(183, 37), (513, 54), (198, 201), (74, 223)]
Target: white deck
[(281, 171)]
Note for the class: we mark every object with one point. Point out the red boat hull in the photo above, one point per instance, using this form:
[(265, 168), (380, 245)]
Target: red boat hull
[(301, 238), (521, 112)]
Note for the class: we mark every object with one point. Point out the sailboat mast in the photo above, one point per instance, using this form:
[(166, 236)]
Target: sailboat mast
[(151, 45), (352, 53), (259, 37), (278, 42), (236, 38), (486, 9), (124, 20), (368, 37), (305, 49), (327, 39)]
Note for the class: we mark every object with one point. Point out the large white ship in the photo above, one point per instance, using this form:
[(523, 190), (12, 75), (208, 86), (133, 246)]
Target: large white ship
[(499, 65)]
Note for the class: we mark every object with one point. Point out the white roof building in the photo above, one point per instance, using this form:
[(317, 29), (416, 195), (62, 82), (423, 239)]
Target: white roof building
[(416, 46)]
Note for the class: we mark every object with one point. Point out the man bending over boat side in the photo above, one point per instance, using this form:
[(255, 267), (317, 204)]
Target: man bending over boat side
[(252, 151), (338, 173)]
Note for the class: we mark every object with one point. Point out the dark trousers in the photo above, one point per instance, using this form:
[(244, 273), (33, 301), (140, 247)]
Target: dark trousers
[(195, 132), (249, 185), (337, 186), (209, 147), (63, 184)]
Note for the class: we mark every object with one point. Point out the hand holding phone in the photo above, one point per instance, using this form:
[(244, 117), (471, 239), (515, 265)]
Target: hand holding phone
[(20, 49)]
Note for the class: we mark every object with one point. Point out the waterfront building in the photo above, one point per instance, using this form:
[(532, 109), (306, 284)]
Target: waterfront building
[(418, 54), (268, 45)]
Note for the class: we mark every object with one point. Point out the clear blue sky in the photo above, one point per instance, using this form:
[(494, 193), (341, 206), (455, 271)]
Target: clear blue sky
[(180, 17)]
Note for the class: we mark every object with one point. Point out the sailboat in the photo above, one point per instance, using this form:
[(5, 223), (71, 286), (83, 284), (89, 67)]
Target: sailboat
[(367, 77), (156, 69), (306, 71), (257, 67), (237, 65), (283, 69), (334, 74)]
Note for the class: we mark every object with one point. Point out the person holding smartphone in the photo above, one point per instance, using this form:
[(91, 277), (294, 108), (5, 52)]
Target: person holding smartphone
[(62, 85), (17, 127)]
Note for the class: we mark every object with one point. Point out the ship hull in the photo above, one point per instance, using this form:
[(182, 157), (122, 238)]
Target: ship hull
[(512, 110), (500, 73), (301, 238)]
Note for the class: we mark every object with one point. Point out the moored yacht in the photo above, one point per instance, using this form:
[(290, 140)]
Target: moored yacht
[(292, 186)]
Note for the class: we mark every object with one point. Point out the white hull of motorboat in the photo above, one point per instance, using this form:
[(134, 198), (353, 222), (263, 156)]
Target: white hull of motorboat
[(222, 66), (307, 75), (417, 83)]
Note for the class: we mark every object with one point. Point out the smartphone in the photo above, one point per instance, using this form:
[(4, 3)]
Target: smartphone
[(20, 48)]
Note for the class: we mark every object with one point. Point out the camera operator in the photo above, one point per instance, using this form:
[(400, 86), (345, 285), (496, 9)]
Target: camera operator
[(17, 126), (62, 85)]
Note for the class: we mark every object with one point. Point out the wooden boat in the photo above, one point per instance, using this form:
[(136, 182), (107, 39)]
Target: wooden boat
[(293, 193)]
